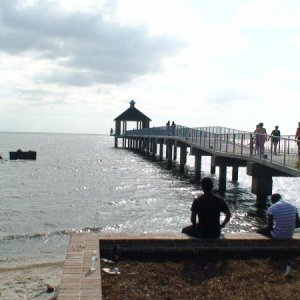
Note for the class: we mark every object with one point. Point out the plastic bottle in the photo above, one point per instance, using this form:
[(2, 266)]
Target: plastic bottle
[(289, 264), (94, 259), (288, 270)]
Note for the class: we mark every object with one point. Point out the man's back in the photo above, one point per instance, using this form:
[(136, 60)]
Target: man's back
[(284, 215), (208, 208), (275, 132)]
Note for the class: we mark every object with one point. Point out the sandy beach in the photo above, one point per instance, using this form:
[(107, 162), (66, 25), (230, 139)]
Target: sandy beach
[(29, 282)]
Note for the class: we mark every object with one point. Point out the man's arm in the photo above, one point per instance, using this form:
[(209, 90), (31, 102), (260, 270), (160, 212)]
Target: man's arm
[(297, 225), (270, 222), (227, 218), (194, 218)]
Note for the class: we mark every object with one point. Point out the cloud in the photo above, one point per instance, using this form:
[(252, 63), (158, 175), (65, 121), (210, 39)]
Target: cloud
[(228, 96), (83, 47), (269, 13)]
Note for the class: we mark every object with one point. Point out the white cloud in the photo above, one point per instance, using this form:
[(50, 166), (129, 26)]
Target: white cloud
[(295, 41), (283, 75), (90, 49), (269, 13), (73, 65)]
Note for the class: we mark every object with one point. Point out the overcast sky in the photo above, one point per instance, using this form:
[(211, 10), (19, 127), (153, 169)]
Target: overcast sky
[(73, 66)]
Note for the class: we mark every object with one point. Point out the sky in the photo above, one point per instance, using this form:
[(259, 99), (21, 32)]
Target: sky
[(73, 66)]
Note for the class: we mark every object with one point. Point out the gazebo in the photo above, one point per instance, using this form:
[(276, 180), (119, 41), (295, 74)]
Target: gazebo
[(131, 114)]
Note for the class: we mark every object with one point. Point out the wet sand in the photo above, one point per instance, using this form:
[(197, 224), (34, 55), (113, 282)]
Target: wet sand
[(30, 282)]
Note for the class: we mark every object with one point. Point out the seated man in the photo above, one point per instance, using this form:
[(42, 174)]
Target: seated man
[(208, 208), (282, 217)]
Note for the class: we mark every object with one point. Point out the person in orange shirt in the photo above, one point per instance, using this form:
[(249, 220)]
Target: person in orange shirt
[(297, 137)]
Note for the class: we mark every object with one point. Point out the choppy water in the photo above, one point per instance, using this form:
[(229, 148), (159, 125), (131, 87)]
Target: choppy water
[(81, 183)]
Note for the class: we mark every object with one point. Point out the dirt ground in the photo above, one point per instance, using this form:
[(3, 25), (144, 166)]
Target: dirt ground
[(237, 276)]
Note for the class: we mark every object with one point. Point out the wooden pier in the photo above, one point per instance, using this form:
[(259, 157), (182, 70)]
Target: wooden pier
[(226, 147)]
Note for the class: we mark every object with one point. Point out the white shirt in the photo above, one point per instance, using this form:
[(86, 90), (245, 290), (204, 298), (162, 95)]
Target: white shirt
[(284, 216)]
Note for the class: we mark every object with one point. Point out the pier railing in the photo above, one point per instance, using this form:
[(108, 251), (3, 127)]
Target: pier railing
[(229, 141)]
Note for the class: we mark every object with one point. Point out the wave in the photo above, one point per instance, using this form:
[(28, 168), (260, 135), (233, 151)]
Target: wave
[(49, 234), (60, 233)]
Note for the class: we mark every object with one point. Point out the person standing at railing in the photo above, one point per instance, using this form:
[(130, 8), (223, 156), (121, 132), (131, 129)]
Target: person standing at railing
[(255, 140), (173, 126), (261, 137), (297, 137), (275, 138), (168, 127), (262, 126)]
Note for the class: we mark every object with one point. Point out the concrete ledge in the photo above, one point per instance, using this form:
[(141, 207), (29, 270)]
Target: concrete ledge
[(181, 243)]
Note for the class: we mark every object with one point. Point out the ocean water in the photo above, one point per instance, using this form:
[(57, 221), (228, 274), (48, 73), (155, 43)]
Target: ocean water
[(82, 183)]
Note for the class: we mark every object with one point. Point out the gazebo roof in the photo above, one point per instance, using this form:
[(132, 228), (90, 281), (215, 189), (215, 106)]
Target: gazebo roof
[(132, 114)]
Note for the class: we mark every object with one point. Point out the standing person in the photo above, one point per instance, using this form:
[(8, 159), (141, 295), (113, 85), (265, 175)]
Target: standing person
[(275, 138), (208, 208), (255, 140), (282, 217), (173, 126), (262, 126), (261, 137), (297, 137), (168, 127)]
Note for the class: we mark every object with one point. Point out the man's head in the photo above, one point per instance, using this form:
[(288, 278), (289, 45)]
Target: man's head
[(275, 198), (207, 184)]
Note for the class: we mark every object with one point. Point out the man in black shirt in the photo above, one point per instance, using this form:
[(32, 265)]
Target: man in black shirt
[(208, 208), (275, 138)]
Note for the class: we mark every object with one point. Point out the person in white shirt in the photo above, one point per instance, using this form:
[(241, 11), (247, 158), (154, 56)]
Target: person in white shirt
[(282, 217)]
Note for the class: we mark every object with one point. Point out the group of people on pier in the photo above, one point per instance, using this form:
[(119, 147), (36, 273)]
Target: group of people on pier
[(170, 128), (260, 137), (206, 213)]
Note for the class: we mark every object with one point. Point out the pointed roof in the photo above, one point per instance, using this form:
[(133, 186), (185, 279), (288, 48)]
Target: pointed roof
[(132, 114)]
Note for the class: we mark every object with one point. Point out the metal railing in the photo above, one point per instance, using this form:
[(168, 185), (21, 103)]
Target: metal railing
[(229, 141)]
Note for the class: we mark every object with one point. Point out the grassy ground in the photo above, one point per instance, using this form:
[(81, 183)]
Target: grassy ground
[(218, 276)]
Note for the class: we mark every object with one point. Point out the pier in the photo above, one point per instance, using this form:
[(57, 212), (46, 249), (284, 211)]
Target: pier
[(226, 147)]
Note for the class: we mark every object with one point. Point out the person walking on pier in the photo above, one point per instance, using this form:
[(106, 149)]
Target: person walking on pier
[(275, 138), (208, 207), (297, 137), (282, 217)]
